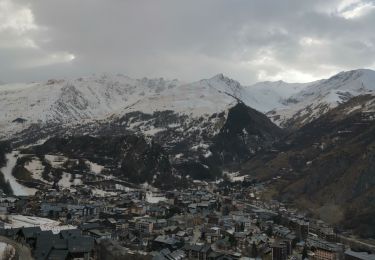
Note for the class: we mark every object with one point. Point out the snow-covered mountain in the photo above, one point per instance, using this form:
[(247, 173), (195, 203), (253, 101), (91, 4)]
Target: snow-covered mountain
[(187, 119), (99, 98), (94, 98), (317, 98), (272, 94), (200, 127)]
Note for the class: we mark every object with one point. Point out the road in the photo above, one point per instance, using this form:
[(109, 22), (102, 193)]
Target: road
[(356, 242), (22, 252)]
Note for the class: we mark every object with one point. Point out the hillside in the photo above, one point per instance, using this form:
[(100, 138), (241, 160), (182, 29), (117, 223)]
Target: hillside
[(327, 166)]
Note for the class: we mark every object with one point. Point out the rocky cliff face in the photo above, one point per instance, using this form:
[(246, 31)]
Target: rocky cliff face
[(245, 133)]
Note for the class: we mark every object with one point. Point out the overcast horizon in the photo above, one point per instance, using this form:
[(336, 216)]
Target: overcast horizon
[(249, 41)]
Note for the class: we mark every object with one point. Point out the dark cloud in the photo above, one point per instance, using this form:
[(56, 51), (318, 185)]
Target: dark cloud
[(253, 40)]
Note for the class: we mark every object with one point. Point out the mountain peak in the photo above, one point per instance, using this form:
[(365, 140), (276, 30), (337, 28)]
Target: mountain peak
[(354, 74), (222, 78), (219, 76)]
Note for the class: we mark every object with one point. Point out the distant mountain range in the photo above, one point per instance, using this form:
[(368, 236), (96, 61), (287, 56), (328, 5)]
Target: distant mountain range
[(317, 98), (105, 97)]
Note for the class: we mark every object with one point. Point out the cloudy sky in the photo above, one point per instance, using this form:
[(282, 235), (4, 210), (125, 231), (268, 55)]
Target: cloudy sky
[(248, 40)]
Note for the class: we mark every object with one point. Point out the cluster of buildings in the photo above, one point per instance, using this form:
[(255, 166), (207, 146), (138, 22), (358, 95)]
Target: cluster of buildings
[(205, 223)]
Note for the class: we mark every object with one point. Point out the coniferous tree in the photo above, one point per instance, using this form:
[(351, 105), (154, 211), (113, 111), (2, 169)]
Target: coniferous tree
[(304, 253), (254, 250), (232, 240), (269, 231)]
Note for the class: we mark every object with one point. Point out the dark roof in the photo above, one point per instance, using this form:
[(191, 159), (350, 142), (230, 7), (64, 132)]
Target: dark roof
[(156, 209), (360, 255), (178, 254), (214, 254), (206, 248), (45, 242), (50, 207), (99, 233), (196, 248), (58, 254), (166, 240), (159, 256), (88, 226), (10, 232), (3, 232), (80, 244), (165, 251), (30, 232), (70, 233)]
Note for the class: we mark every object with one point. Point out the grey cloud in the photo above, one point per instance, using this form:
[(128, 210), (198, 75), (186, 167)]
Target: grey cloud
[(190, 40)]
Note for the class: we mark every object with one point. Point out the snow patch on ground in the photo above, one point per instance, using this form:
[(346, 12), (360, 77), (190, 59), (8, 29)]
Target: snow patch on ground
[(56, 161), (178, 156), (353, 109), (65, 180), (199, 146), (19, 221), (207, 154), (234, 176), (94, 167), (18, 189), (6, 251), (77, 180), (153, 131), (102, 193), (36, 168), (154, 198), (122, 187)]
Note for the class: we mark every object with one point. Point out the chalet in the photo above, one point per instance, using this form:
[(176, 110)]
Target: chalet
[(166, 254), (162, 242), (156, 211), (327, 250), (86, 227), (8, 202), (81, 247), (99, 234), (197, 251), (28, 235), (145, 226), (279, 250), (172, 229), (68, 244), (160, 224), (138, 210), (50, 210), (49, 245)]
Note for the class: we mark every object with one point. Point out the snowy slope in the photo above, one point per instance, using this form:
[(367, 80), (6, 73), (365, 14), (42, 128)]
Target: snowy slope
[(270, 95), (17, 188), (99, 97), (320, 97), (107, 97)]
